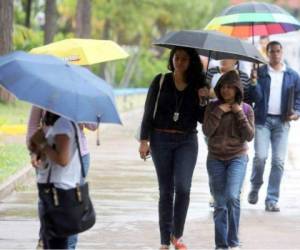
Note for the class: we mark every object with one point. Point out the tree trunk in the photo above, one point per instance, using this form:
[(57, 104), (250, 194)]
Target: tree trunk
[(6, 30), (50, 21), (28, 13), (105, 36), (83, 18)]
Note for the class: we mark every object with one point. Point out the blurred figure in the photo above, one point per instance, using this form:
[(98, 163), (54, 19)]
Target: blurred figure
[(262, 46), (227, 65), (270, 90)]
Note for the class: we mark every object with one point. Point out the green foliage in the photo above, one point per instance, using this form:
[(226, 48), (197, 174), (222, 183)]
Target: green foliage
[(13, 157), (135, 23), (149, 66), (26, 39)]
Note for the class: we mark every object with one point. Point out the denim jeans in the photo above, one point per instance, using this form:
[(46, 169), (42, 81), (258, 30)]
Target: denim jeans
[(275, 132), (174, 157), (226, 179), (73, 239)]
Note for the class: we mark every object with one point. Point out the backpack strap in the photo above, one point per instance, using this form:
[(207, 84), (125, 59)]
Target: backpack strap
[(161, 81), (246, 108)]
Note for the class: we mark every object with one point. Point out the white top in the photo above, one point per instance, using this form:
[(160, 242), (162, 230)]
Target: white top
[(215, 79), (68, 176), (275, 90)]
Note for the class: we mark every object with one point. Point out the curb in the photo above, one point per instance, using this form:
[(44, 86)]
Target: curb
[(12, 182)]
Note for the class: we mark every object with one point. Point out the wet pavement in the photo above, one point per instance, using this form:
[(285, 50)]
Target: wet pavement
[(124, 193)]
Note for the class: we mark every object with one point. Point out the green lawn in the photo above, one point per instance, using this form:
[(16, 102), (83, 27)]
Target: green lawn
[(15, 113), (12, 158)]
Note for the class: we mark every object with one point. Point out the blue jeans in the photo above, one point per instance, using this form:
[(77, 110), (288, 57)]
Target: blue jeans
[(226, 179), (73, 239), (275, 132), (174, 157)]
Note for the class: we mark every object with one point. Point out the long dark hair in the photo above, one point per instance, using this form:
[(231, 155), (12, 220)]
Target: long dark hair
[(50, 118), (194, 74)]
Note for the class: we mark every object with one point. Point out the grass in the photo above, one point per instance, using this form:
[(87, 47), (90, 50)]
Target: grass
[(15, 113), (13, 157)]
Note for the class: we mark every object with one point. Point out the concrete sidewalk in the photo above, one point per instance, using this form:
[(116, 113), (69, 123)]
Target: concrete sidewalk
[(124, 192)]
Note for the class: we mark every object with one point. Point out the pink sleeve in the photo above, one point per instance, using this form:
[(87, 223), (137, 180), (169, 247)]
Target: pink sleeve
[(33, 122)]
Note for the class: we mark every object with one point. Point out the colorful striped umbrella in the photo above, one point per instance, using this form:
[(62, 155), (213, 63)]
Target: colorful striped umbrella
[(254, 19)]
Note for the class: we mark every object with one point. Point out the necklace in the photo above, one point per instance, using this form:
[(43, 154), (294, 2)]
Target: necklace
[(178, 103)]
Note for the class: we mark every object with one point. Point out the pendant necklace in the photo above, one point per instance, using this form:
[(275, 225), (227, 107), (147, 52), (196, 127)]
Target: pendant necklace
[(178, 103)]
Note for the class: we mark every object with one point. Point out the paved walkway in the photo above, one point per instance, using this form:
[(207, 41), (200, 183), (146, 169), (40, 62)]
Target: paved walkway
[(124, 192)]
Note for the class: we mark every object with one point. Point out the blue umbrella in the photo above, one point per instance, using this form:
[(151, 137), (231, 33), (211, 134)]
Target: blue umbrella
[(50, 83)]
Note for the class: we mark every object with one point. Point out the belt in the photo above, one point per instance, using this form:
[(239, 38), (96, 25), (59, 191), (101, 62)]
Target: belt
[(171, 131)]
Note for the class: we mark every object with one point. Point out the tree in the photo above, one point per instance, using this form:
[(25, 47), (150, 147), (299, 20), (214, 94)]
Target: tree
[(28, 13), (6, 30), (83, 18), (50, 21)]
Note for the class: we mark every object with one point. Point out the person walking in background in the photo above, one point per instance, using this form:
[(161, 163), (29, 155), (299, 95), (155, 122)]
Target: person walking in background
[(228, 125), (262, 46), (272, 94), (35, 121), (171, 136), (214, 74)]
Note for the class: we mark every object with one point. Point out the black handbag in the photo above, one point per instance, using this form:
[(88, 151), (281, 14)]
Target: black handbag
[(66, 212)]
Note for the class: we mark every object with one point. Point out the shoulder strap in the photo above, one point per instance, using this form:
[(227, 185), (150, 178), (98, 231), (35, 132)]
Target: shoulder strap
[(79, 151), (246, 108), (161, 81)]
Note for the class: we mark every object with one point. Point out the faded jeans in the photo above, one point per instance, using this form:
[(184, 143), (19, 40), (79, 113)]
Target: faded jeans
[(226, 180), (275, 132), (174, 157)]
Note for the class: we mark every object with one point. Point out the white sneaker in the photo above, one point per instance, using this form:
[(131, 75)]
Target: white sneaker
[(235, 248)]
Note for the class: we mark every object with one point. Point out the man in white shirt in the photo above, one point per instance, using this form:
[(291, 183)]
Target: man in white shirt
[(272, 93)]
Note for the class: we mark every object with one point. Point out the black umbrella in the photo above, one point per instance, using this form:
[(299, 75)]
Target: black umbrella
[(212, 44)]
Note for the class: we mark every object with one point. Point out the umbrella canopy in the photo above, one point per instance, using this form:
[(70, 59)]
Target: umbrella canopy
[(253, 19), (212, 44), (83, 51), (52, 84)]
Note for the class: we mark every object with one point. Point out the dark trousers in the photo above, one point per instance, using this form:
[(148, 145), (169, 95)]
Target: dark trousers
[(174, 157), (50, 242), (55, 243)]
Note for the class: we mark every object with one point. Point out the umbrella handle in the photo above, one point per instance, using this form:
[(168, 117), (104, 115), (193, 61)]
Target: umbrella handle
[(98, 137), (98, 132)]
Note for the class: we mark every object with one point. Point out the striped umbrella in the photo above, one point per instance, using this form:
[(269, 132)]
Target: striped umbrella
[(254, 19)]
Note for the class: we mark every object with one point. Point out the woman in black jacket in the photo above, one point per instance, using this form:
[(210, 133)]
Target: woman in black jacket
[(169, 131)]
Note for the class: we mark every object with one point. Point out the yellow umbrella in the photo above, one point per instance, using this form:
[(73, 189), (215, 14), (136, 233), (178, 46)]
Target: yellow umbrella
[(83, 51)]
